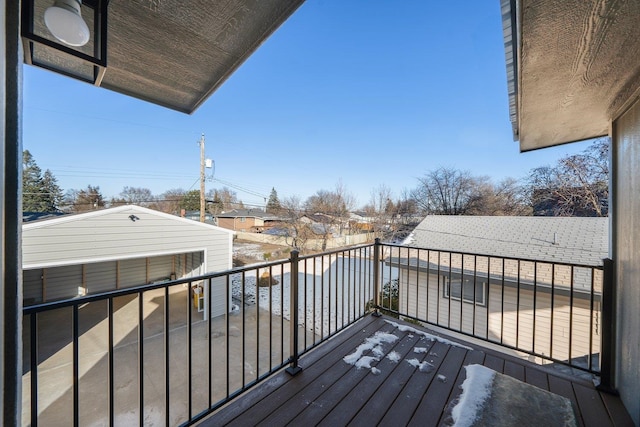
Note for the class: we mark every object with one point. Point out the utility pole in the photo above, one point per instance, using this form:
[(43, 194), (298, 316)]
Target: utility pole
[(202, 178)]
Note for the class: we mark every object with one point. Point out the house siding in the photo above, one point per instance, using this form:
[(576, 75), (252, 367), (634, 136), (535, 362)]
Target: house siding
[(506, 319), (112, 251), (625, 188)]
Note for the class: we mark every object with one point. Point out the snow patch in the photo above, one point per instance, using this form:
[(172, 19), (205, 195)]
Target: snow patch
[(409, 239), (374, 345), (405, 328), (442, 378), (420, 350), (476, 389), (394, 356), (422, 366)]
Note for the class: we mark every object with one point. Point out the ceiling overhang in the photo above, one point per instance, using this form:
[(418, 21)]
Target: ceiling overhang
[(172, 53), (572, 67)]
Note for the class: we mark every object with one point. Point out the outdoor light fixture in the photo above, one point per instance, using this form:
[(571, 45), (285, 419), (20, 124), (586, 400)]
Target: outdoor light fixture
[(64, 20), (66, 36), (133, 218)]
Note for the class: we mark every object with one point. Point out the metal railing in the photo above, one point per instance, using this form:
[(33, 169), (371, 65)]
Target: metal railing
[(171, 353), (549, 310)]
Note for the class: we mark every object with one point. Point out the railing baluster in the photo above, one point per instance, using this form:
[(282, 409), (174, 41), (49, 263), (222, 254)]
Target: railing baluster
[(34, 348), (167, 346), (293, 368), (376, 276), (553, 292), (209, 342), (76, 361), (258, 318), (535, 294), (571, 317), (189, 351), (141, 358), (226, 332), (110, 362)]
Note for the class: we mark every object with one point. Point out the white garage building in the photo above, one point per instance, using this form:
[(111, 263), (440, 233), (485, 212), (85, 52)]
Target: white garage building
[(88, 253)]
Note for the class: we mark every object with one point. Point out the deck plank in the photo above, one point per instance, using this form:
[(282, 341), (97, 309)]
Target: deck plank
[(616, 410), (379, 403), (514, 370), (562, 387), (429, 410), (402, 409), (591, 406), (474, 357), (331, 392), (250, 405), (359, 395), (535, 376)]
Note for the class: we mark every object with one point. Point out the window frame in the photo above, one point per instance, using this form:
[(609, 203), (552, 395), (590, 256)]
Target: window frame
[(462, 282)]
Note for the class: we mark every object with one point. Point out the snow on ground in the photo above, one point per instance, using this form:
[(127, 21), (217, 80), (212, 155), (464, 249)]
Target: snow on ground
[(327, 287), (476, 389), (405, 328)]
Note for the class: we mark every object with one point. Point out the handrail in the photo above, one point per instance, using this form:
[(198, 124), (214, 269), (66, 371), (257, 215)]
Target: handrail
[(318, 296)]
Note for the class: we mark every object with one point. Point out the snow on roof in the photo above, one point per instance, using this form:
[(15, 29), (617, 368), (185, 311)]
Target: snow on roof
[(576, 240)]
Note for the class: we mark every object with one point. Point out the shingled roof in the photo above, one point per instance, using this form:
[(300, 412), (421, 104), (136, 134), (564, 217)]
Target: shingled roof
[(555, 239)]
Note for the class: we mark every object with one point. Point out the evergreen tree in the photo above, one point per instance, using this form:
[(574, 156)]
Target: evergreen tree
[(273, 205), (40, 193)]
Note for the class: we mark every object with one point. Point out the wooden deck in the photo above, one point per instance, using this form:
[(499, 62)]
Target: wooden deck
[(331, 392)]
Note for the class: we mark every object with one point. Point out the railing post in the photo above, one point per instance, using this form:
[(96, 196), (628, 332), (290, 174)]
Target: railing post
[(293, 368), (376, 277), (608, 336)]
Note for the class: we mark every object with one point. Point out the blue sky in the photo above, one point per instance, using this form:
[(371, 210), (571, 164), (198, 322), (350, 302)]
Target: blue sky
[(363, 92)]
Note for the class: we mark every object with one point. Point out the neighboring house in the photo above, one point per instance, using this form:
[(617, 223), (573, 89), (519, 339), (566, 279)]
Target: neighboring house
[(195, 216), (255, 220), (440, 277), (74, 255)]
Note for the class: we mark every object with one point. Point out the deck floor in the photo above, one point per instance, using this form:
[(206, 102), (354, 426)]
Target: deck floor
[(331, 392)]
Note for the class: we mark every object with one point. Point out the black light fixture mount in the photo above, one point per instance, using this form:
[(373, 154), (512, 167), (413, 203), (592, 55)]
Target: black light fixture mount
[(66, 36)]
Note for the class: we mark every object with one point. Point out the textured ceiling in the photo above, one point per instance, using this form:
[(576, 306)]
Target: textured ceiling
[(575, 65), (176, 53)]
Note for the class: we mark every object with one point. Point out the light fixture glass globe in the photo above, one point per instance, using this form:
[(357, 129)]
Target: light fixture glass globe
[(65, 22)]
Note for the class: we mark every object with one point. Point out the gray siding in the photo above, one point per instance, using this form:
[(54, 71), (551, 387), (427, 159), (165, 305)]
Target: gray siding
[(62, 282), (132, 272), (626, 253), (100, 277), (32, 286), (111, 235)]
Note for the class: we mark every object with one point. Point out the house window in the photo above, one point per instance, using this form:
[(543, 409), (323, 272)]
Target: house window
[(464, 286), (243, 219)]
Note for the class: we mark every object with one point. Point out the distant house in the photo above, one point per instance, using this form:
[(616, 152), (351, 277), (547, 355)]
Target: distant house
[(195, 215), (125, 246), (457, 288), (249, 220)]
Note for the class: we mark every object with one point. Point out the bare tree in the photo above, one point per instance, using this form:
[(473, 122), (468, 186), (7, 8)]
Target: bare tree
[(134, 196), (335, 205), (297, 232), (85, 200), (576, 186), (169, 201), (446, 191)]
